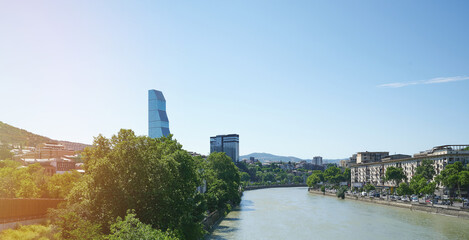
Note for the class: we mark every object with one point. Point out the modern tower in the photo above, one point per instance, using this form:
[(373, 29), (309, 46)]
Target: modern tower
[(158, 124), (228, 144)]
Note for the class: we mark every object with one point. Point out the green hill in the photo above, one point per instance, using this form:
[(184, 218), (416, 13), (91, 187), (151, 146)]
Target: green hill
[(17, 136)]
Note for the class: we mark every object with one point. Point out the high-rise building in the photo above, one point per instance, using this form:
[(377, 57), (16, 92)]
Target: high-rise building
[(317, 160), (158, 124), (228, 144)]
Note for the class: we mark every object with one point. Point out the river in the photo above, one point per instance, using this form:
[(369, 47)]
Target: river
[(294, 213)]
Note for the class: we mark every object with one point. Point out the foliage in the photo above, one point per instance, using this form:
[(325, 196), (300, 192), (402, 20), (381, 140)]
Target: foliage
[(395, 175), (320, 174), (245, 176), (60, 185), (153, 176), (72, 226), (323, 189), (30, 232), (347, 175), (333, 175), (404, 189), (5, 153), (297, 179), (450, 176), (313, 180), (341, 192), (22, 182), (368, 187), (420, 185), (268, 177), (132, 228), (426, 169), (223, 181)]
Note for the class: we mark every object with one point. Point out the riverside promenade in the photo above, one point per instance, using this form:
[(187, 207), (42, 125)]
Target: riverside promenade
[(423, 207)]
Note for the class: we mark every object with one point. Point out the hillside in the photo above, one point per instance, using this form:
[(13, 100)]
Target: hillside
[(275, 158), (17, 136)]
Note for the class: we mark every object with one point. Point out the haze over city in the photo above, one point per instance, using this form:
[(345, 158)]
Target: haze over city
[(291, 78)]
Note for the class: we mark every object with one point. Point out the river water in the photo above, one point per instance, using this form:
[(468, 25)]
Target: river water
[(294, 213)]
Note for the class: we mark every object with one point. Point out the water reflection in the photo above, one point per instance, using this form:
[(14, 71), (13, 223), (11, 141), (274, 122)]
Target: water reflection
[(293, 213)]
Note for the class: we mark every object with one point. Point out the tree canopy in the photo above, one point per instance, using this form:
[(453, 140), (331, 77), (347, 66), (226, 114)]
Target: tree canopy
[(404, 189), (223, 181), (395, 175), (454, 176), (426, 170), (153, 176)]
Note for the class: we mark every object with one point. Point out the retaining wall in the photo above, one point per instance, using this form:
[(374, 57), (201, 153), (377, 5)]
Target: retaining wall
[(247, 188)]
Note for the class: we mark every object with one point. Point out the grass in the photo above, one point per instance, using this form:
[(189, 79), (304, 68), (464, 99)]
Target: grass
[(29, 232)]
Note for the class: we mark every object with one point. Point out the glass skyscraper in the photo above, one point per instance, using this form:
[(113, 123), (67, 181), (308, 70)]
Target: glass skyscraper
[(158, 124), (228, 144)]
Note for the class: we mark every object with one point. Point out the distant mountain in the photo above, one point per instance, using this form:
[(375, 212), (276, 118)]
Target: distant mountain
[(270, 157), (17, 136), (275, 158)]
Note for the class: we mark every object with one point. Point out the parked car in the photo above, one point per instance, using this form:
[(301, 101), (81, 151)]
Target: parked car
[(405, 199), (415, 199), (364, 194), (445, 202)]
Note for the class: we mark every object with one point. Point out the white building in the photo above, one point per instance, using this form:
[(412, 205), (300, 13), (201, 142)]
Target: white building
[(374, 172)]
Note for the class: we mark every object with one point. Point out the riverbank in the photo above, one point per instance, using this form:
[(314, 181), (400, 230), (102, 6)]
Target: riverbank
[(441, 210), (248, 188)]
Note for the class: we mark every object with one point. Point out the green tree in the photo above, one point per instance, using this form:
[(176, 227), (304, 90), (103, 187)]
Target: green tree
[(450, 177), (153, 176), (320, 174), (368, 187), (132, 228), (72, 226), (333, 175), (244, 176), (313, 180), (60, 185), (297, 179), (396, 175), (5, 153), (404, 189), (223, 181), (22, 182), (268, 177), (341, 192), (347, 175), (426, 169), (464, 178)]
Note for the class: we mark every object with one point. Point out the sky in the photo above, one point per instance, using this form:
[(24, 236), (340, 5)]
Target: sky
[(295, 78)]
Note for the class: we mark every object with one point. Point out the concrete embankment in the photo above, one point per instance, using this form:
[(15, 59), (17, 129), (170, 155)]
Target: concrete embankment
[(443, 210), (247, 188)]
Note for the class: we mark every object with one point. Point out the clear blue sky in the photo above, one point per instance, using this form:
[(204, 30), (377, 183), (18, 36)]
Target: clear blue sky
[(299, 78)]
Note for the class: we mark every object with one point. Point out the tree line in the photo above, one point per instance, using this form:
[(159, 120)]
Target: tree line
[(454, 177), (136, 187)]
